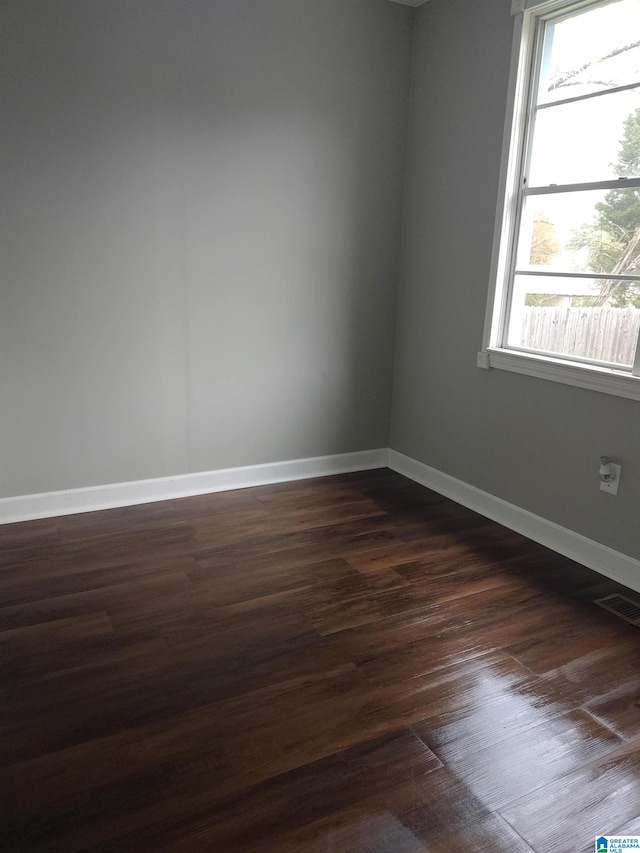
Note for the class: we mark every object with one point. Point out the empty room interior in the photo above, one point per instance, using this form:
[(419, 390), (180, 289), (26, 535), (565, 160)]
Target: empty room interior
[(319, 521)]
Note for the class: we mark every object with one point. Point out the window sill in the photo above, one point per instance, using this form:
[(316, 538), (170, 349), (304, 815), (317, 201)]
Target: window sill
[(605, 380)]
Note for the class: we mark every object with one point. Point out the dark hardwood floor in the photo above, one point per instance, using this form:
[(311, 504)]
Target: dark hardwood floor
[(345, 664)]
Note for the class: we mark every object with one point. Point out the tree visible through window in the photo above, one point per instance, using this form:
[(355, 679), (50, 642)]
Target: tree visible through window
[(613, 239), (571, 248)]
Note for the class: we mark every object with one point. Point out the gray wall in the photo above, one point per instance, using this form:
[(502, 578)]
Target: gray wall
[(200, 238), (200, 233), (532, 442)]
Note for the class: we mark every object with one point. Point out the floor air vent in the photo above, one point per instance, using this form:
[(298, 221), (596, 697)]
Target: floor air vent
[(622, 607)]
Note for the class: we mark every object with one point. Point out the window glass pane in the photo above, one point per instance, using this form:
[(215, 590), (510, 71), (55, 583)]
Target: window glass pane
[(585, 141), (595, 231), (597, 49), (564, 317)]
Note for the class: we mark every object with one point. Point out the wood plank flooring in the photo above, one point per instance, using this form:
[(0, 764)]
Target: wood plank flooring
[(345, 664)]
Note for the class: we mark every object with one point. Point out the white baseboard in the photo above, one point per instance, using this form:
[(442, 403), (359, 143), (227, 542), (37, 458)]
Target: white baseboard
[(49, 504), (608, 562), (600, 558)]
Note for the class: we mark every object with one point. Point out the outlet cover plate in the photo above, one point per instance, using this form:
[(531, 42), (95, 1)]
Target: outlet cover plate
[(611, 488)]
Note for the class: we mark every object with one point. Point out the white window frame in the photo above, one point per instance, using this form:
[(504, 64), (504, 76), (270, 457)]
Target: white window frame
[(609, 379)]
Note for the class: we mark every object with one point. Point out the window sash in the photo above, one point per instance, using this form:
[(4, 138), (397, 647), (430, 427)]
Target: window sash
[(613, 184), (627, 87)]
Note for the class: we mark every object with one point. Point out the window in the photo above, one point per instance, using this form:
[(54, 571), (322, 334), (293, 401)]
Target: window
[(565, 296)]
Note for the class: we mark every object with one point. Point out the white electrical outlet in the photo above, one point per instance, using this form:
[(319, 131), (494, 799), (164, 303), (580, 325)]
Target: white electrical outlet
[(611, 486)]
